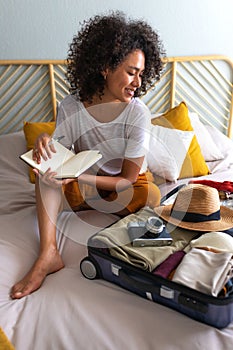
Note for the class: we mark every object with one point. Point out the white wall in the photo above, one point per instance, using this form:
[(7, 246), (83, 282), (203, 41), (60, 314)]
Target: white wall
[(42, 29)]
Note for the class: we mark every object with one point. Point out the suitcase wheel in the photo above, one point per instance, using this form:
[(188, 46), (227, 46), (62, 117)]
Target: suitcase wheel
[(89, 268)]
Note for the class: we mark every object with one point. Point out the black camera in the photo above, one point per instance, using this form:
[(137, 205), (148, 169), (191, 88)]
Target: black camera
[(149, 233)]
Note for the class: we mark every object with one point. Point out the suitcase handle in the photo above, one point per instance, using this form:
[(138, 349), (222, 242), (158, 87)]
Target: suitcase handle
[(133, 282), (171, 193)]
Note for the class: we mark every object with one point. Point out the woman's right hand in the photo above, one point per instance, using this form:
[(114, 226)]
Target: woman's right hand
[(49, 178), (43, 147)]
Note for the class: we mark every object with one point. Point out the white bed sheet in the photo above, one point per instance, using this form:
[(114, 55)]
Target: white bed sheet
[(70, 312)]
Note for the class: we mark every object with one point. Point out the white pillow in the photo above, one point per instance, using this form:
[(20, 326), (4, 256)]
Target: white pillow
[(208, 145), (225, 145), (167, 151), (222, 142)]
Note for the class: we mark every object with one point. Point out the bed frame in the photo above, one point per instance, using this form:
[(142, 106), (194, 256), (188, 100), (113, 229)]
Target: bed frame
[(31, 90)]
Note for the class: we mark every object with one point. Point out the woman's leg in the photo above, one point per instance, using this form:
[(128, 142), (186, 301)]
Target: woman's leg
[(142, 193), (48, 202), (145, 193)]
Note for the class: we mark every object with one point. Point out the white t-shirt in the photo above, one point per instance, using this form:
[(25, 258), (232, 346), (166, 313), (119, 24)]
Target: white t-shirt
[(127, 136)]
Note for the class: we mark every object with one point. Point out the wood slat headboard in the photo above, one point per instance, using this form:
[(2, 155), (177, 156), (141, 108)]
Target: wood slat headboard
[(31, 90)]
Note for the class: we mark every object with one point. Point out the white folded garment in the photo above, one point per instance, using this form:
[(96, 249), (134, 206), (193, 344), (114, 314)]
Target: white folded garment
[(204, 270)]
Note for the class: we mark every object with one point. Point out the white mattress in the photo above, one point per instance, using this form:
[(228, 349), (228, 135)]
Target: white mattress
[(69, 311)]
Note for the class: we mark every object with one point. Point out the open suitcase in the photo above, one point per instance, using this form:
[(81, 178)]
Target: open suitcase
[(214, 311)]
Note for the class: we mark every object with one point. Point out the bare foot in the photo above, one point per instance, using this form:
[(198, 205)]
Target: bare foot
[(46, 263)]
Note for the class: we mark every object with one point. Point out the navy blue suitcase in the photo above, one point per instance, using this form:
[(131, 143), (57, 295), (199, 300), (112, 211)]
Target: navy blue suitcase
[(214, 311)]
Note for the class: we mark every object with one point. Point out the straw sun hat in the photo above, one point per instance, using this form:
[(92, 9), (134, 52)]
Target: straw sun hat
[(197, 207)]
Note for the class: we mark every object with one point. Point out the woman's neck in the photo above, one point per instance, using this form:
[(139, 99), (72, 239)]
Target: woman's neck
[(104, 111)]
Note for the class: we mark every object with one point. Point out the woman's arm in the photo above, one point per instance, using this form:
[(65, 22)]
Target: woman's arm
[(129, 174)]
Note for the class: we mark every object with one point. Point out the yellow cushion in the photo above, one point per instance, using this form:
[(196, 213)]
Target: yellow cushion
[(5, 344), (178, 118), (31, 132)]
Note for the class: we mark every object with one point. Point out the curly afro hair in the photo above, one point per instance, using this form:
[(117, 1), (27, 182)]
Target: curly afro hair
[(104, 42)]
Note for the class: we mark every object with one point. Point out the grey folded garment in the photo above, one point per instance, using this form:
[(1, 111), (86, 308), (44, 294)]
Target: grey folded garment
[(117, 240), (204, 270)]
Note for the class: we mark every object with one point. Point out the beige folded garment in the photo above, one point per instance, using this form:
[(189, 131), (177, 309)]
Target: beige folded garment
[(117, 240)]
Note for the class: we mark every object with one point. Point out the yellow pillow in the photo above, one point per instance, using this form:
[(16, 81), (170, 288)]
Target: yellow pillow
[(178, 118), (31, 132)]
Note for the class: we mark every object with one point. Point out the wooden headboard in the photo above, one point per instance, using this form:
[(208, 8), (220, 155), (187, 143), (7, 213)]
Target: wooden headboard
[(31, 90)]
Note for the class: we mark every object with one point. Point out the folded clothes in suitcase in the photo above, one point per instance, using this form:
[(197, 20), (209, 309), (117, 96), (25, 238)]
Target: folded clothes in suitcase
[(139, 269)]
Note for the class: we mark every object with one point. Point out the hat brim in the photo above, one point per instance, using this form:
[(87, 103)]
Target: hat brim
[(225, 222)]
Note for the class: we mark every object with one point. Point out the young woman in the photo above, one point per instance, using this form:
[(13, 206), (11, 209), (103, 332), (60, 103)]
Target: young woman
[(111, 62)]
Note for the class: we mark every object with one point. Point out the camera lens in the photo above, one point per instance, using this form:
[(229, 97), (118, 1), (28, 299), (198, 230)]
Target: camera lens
[(154, 224)]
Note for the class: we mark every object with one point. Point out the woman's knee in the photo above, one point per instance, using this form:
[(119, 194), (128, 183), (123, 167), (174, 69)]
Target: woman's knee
[(146, 195), (154, 196)]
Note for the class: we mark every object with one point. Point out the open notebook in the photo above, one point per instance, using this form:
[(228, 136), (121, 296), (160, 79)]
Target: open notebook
[(64, 162)]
